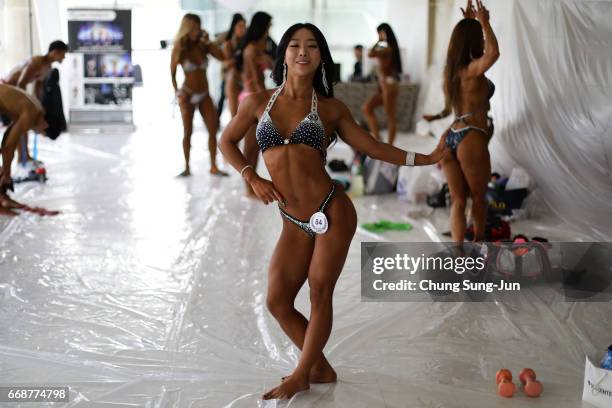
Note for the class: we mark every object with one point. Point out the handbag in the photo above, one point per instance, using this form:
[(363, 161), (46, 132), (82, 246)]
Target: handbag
[(379, 177)]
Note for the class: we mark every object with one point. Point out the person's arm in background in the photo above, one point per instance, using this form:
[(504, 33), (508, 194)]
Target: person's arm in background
[(267, 60), (210, 47), (174, 62), (480, 65), (216, 52), (32, 118), (469, 11), (356, 137), (376, 51), (250, 66), (444, 113), (228, 52)]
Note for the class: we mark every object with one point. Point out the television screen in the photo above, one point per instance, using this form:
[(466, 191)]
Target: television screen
[(111, 32), (108, 94), (108, 66)]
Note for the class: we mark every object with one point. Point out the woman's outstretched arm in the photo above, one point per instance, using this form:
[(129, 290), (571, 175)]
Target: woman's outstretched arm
[(363, 142)]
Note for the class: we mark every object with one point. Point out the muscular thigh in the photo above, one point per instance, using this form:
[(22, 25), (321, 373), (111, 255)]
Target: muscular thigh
[(206, 106), (290, 261), (474, 159), (457, 184), (13, 133), (374, 101), (389, 95), (331, 248), (187, 110)]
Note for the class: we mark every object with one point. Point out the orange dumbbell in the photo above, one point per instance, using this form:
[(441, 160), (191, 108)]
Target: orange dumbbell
[(505, 386), (532, 387)]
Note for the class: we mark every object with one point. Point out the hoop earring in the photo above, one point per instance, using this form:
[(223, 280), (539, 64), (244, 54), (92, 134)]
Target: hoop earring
[(325, 84)]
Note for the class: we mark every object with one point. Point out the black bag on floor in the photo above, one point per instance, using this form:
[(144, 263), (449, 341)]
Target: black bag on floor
[(496, 229), (439, 199), (379, 177), (338, 166), (52, 103), (503, 202)]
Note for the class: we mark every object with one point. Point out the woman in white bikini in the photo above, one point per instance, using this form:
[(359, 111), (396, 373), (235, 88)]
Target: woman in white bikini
[(191, 49)]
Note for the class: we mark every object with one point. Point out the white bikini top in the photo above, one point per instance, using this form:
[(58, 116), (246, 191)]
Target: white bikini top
[(189, 66)]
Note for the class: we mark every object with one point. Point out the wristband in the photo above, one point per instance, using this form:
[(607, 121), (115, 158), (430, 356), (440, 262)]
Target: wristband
[(243, 169), (410, 156)]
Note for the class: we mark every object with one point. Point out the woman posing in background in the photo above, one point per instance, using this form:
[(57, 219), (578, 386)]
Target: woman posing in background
[(386, 51), (191, 49), (472, 51), (231, 76), (252, 60)]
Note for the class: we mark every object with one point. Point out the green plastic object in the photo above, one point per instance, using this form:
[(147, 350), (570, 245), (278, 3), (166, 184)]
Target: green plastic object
[(385, 225)]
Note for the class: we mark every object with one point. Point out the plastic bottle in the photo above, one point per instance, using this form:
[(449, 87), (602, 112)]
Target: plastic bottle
[(606, 363), (356, 178)]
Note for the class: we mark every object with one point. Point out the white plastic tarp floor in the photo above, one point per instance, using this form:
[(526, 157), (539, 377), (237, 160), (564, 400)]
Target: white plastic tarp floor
[(149, 291)]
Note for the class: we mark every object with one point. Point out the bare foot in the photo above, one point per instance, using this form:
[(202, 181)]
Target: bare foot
[(216, 172), (41, 211), (321, 374), (185, 173), (8, 203), (287, 388), (8, 212)]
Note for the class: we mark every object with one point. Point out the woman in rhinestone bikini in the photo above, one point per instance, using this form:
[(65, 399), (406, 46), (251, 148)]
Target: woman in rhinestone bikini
[(295, 125)]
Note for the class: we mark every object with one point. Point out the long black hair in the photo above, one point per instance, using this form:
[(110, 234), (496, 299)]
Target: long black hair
[(236, 18), (326, 58), (392, 40), (466, 43), (260, 22)]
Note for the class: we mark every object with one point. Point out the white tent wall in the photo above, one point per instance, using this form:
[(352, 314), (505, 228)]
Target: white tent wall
[(409, 22), (50, 27), (553, 104), (14, 23), (2, 37)]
